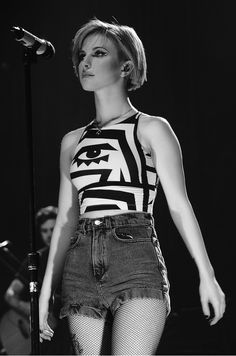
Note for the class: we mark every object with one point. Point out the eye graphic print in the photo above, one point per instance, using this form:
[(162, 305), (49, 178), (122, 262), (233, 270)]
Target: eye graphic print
[(92, 154)]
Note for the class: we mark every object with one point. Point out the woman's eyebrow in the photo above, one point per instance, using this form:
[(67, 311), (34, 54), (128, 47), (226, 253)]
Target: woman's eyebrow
[(99, 47), (94, 48)]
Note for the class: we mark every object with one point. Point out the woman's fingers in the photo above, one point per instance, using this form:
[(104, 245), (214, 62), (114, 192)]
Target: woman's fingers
[(46, 333), (48, 328), (212, 294), (223, 307), (205, 308), (218, 310)]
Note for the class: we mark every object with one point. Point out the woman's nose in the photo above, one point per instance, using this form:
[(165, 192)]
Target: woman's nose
[(87, 63)]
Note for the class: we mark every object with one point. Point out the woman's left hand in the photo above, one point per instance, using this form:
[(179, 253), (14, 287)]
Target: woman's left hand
[(210, 292)]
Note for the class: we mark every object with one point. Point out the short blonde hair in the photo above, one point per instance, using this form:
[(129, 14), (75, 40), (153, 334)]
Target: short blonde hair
[(126, 40)]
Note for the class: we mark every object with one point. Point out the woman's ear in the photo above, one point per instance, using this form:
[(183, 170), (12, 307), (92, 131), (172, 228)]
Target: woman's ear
[(126, 68)]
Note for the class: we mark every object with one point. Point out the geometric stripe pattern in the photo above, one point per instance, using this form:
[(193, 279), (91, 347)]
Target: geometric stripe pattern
[(111, 170)]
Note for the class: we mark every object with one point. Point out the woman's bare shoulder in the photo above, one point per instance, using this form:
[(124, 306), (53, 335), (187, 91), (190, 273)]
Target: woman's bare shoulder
[(147, 120), (70, 139), (151, 126), (155, 131)]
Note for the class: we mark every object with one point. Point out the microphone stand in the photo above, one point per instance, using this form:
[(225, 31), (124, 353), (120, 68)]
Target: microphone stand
[(29, 57)]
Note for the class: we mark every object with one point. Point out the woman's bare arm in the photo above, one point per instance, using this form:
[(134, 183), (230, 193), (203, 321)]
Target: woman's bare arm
[(64, 228), (159, 138)]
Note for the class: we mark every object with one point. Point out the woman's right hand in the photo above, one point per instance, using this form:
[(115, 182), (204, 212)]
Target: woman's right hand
[(46, 333)]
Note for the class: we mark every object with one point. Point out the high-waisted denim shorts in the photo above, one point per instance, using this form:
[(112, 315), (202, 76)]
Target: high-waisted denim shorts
[(111, 260)]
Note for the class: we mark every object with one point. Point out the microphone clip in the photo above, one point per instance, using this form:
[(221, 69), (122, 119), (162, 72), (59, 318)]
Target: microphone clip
[(34, 46)]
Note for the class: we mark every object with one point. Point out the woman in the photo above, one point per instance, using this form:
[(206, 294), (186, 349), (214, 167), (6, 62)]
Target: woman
[(104, 239)]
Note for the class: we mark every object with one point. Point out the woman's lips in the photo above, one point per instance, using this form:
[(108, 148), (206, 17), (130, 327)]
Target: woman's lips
[(86, 75)]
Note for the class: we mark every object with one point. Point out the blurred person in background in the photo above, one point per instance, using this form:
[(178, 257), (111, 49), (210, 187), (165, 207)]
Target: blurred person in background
[(18, 298)]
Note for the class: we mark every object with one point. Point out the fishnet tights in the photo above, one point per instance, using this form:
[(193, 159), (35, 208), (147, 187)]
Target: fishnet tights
[(137, 328)]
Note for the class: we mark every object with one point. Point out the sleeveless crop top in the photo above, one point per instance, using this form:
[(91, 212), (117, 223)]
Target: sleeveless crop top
[(111, 171)]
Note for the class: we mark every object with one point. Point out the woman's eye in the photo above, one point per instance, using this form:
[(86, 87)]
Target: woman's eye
[(99, 53)]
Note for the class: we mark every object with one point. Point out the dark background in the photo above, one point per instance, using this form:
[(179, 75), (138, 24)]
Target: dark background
[(191, 53)]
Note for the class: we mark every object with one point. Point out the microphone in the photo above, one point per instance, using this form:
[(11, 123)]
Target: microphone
[(5, 243), (43, 48)]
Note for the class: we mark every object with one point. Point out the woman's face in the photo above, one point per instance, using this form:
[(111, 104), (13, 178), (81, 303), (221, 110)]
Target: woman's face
[(99, 63)]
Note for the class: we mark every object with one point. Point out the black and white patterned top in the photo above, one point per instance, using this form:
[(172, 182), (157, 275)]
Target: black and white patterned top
[(111, 170)]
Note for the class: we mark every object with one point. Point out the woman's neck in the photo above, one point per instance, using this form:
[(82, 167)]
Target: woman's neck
[(111, 106)]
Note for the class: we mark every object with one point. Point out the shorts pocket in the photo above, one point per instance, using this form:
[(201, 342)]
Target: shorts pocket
[(132, 233)]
